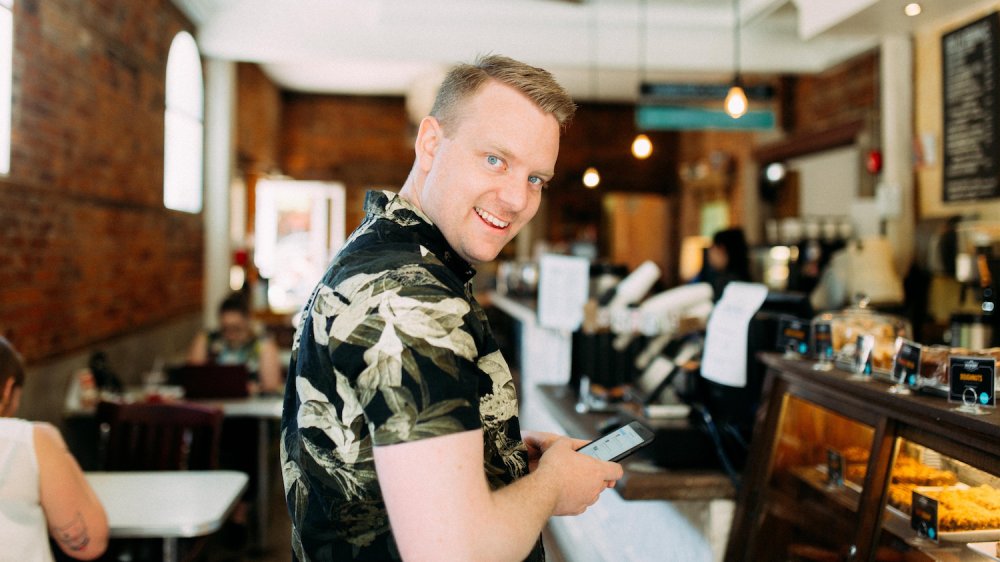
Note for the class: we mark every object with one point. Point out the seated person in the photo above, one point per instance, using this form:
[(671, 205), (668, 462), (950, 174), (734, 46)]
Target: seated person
[(42, 489), (237, 343)]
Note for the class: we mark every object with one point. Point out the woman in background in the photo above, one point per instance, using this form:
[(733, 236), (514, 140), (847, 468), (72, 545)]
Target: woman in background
[(727, 259), (42, 490), (237, 343)]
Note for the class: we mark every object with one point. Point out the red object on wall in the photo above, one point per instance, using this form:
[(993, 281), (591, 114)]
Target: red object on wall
[(873, 161), (240, 257)]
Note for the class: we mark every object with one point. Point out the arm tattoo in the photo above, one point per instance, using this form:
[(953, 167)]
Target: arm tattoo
[(74, 534)]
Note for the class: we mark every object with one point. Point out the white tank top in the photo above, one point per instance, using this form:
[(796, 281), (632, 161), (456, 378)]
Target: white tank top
[(24, 534)]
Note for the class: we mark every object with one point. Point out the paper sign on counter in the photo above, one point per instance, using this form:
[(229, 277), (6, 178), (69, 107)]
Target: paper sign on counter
[(725, 358)]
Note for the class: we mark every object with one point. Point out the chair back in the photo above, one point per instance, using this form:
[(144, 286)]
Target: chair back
[(174, 436)]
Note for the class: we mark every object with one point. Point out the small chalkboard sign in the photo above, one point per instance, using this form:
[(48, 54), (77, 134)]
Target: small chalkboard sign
[(834, 468), (906, 366), (924, 516), (823, 341), (970, 56), (793, 335)]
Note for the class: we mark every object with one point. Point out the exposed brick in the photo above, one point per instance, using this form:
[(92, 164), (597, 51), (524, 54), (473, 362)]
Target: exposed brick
[(88, 251)]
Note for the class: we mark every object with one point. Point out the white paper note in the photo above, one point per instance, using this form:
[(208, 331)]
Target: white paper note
[(563, 283), (725, 358)]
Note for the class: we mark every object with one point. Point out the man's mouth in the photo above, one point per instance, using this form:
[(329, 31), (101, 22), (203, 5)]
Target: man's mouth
[(491, 219)]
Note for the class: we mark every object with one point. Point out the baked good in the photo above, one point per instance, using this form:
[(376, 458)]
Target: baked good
[(922, 475)]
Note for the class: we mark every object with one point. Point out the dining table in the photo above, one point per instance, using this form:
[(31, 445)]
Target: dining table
[(266, 409), (170, 505)]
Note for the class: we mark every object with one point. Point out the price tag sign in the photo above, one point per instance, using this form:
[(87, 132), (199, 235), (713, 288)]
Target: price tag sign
[(906, 365), (823, 341), (834, 468), (863, 354), (924, 516), (793, 335), (971, 380)]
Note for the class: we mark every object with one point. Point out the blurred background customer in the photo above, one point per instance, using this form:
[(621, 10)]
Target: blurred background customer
[(238, 342), (727, 259)]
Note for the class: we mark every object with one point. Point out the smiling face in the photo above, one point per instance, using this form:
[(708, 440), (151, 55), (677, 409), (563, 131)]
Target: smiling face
[(482, 182)]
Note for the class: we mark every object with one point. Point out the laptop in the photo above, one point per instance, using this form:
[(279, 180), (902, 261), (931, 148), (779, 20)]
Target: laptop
[(212, 381)]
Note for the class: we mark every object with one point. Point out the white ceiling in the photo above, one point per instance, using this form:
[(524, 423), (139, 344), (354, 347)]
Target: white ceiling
[(598, 49)]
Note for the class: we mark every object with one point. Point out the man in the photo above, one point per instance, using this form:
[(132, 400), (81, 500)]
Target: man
[(400, 436)]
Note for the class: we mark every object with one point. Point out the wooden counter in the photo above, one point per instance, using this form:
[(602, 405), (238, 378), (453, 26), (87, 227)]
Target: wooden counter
[(772, 519), (643, 480)]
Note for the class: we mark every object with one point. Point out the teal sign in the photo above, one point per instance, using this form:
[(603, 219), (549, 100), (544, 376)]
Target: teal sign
[(671, 118)]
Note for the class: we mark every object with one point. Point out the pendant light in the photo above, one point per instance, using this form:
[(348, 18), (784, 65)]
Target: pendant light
[(590, 176), (642, 147), (736, 100)]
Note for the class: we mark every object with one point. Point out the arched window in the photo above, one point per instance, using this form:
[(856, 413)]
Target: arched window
[(6, 79), (183, 138)]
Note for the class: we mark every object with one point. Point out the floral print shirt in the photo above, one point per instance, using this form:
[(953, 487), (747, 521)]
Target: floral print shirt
[(392, 348)]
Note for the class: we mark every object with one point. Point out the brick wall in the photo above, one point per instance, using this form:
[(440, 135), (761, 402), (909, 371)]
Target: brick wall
[(362, 141), (847, 92), (88, 253)]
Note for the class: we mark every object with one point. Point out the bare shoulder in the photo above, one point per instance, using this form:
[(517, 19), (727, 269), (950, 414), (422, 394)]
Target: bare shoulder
[(47, 438)]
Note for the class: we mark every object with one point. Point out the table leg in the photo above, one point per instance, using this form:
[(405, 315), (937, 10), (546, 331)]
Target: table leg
[(170, 549), (262, 479)]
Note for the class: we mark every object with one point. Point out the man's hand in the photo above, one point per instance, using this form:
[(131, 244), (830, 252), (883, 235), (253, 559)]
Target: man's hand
[(585, 476), (538, 442)]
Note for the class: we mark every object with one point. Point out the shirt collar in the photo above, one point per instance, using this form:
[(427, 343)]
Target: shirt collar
[(390, 206)]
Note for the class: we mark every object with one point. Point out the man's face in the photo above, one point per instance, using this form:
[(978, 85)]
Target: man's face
[(484, 181)]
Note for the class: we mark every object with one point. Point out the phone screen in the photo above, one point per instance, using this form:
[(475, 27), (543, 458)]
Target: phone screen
[(613, 444)]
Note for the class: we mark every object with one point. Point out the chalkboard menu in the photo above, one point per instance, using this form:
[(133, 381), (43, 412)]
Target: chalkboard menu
[(971, 110)]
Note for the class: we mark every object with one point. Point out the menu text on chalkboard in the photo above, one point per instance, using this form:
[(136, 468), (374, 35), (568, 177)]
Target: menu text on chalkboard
[(971, 109)]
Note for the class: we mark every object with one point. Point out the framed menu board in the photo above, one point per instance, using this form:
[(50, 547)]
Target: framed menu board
[(971, 97)]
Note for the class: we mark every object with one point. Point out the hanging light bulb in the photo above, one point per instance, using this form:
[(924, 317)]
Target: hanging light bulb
[(736, 101), (591, 178), (642, 147)]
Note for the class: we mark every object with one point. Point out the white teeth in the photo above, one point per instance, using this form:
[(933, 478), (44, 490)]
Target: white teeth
[(491, 219)]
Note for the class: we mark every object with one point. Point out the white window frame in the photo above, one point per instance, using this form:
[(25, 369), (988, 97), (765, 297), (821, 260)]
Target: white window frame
[(184, 127), (6, 81)]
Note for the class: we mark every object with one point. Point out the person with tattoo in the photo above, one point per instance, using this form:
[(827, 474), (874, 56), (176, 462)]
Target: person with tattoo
[(42, 490)]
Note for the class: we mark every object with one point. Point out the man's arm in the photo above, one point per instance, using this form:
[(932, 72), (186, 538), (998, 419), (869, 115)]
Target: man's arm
[(441, 508)]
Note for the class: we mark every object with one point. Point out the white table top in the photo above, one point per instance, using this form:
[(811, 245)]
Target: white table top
[(255, 407), (167, 503)]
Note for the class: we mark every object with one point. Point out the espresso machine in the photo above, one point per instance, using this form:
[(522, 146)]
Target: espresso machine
[(976, 322)]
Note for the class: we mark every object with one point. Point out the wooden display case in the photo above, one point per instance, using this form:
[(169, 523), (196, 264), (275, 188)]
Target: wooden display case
[(787, 510)]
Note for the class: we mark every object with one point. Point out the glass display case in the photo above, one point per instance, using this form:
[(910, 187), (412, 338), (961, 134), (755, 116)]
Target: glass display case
[(836, 466)]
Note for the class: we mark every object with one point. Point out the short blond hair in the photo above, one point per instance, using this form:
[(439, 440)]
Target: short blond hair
[(538, 85)]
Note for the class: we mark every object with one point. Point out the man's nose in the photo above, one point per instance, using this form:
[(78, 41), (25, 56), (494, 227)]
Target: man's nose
[(514, 194)]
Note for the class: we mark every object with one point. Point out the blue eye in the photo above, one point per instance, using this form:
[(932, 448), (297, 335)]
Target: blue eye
[(493, 160), (536, 181)]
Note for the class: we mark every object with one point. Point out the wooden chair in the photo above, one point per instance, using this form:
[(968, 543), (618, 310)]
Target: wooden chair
[(174, 436)]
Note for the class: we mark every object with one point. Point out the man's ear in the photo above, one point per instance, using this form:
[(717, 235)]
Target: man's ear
[(429, 137)]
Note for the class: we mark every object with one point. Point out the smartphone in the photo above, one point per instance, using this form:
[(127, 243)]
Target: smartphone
[(620, 443)]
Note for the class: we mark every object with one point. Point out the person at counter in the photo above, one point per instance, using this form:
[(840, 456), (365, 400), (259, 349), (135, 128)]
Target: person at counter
[(42, 489), (863, 269), (400, 435), (236, 342), (726, 260)]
